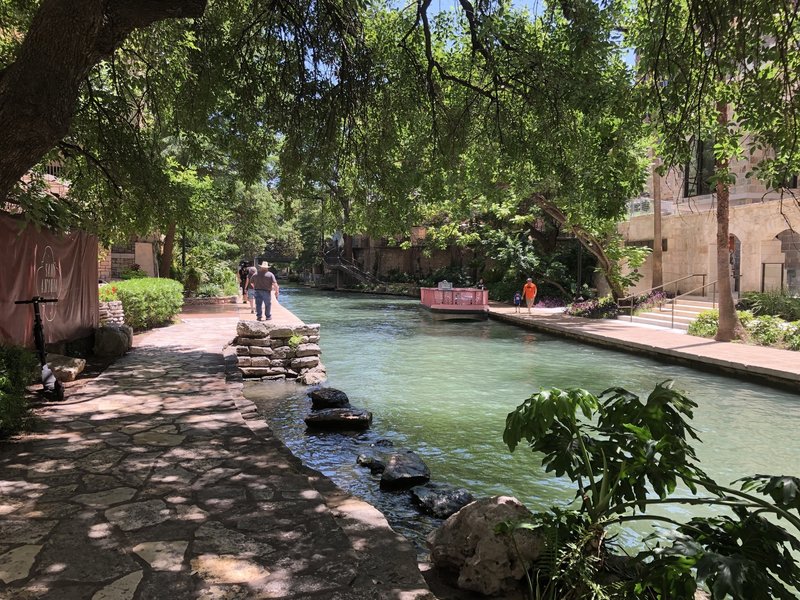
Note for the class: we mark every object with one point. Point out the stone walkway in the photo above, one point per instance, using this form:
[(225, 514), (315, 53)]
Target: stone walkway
[(768, 365), (157, 480)]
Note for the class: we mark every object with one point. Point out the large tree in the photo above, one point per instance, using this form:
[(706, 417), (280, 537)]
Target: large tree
[(724, 72), (40, 85)]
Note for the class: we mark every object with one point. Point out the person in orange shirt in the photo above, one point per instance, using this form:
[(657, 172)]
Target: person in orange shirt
[(529, 293)]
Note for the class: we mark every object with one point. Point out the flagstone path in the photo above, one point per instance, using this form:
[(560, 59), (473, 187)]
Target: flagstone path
[(157, 480)]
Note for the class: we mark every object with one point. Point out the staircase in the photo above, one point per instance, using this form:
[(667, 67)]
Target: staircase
[(351, 269), (686, 311)]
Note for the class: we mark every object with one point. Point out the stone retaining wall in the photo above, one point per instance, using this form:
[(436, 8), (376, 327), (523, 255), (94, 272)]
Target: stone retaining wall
[(112, 312), (266, 351)]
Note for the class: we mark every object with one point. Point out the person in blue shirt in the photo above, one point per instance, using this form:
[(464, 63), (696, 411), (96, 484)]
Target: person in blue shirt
[(517, 301)]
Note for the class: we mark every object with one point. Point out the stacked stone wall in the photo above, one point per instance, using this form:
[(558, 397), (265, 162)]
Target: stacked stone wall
[(112, 312), (268, 352)]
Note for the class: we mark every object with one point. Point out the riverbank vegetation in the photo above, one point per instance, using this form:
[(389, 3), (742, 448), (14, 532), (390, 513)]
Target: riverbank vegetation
[(18, 369), (628, 458)]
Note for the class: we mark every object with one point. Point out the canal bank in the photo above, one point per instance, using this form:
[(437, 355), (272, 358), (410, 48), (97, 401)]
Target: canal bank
[(770, 366)]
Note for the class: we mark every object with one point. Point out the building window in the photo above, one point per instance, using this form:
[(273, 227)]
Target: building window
[(699, 170)]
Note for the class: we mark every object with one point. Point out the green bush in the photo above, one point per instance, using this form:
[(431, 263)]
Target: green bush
[(776, 303), (705, 325), (791, 337), (209, 290), (18, 368), (150, 302), (766, 330)]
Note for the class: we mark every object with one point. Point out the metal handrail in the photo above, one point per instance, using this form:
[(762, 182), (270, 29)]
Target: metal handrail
[(658, 287), (702, 287)]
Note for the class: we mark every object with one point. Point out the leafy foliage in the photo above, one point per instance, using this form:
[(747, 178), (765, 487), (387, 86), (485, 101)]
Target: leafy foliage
[(107, 292), (777, 303), (18, 368), (596, 308), (624, 456), (150, 302)]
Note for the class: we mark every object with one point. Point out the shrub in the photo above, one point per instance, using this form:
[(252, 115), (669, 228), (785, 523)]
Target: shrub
[(705, 325), (599, 308), (766, 330), (150, 302), (791, 337), (108, 293), (209, 290), (707, 322), (135, 272), (18, 368), (776, 303)]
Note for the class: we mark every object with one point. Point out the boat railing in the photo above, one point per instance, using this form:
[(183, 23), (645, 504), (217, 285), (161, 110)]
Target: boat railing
[(454, 296)]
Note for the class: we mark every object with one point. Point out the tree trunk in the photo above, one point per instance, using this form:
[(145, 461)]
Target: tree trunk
[(729, 325), (167, 251), (587, 240), (39, 90), (658, 264)]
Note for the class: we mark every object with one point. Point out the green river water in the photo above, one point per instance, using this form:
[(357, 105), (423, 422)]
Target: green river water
[(444, 389)]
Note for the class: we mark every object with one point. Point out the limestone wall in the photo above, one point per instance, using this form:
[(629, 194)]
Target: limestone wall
[(266, 351), (691, 241)]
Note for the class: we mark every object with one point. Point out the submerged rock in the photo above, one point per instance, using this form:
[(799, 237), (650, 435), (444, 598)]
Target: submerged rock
[(482, 560), (376, 464), (404, 470), (440, 499), (339, 419), (327, 397)]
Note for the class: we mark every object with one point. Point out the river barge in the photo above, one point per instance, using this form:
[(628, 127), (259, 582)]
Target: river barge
[(462, 304)]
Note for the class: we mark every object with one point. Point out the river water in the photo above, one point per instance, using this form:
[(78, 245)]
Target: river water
[(444, 389)]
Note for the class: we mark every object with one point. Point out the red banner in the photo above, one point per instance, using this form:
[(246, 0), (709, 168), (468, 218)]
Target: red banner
[(40, 263)]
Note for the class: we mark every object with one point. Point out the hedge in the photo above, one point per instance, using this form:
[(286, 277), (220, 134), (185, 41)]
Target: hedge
[(18, 368), (150, 302)]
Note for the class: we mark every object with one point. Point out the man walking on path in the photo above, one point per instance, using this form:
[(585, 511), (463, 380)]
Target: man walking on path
[(263, 282), (529, 293)]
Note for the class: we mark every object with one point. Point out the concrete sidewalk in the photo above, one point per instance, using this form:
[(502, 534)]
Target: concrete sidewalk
[(766, 365), (157, 480)]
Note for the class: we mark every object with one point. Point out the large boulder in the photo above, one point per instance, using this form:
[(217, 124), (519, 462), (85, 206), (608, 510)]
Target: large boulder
[(339, 419), (440, 499), (328, 397), (404, 469), (65, 368), (482, 560), (112, 340)]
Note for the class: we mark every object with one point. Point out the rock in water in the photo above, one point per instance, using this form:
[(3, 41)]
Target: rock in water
[(404, 470), (339, 419), (484, 561), (439, 499), (328, 398), (374, 463)]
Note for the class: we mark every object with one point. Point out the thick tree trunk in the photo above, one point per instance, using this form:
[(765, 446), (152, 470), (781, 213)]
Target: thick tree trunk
[(658, 265), (167, 251), (729, 326), (39, 90), (588, 241)]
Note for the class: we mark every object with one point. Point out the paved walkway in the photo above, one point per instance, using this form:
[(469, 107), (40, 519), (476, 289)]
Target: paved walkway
[(768, 365), (157, 480)]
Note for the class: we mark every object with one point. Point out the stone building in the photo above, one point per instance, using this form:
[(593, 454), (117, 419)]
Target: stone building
[(764, 245)]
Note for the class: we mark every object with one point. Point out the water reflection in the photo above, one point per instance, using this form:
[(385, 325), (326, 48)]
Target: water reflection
[(444, 389)]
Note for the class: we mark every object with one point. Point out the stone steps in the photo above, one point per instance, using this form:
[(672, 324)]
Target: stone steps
[(685, 312)]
